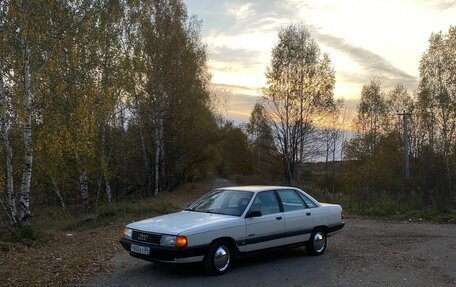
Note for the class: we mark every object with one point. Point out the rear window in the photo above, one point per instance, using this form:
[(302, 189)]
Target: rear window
[(290, 200), (308, 201)]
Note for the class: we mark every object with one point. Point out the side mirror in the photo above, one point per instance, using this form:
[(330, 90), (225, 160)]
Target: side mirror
[(253, 213)]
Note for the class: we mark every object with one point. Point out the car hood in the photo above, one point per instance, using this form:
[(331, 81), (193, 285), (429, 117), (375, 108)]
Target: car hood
[(178, 222)]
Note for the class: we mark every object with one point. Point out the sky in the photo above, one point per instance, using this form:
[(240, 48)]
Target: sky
[(364, 39)]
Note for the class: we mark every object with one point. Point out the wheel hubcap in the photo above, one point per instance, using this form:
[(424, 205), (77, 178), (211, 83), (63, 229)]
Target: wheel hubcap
[(319, 242), (222, 258)]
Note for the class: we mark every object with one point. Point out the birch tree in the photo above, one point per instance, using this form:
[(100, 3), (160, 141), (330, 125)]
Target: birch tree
[(371, 114), (300, 85), (4, 126), (437, 96), (261, 139)]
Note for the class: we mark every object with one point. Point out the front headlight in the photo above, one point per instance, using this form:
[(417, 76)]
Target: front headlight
[(168, 240), (127, 233), (173, 241)]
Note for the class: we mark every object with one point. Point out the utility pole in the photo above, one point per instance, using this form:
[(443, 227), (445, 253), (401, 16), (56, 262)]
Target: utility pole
[(405, 117)]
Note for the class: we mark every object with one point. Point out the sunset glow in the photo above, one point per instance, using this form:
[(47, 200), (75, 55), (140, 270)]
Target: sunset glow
[(364, 39)]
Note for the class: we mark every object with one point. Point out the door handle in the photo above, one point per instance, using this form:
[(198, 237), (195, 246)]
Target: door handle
[(279, 217), (308, 213)]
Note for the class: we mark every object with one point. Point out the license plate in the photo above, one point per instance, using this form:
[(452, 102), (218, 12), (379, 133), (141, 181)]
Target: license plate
[(140, 249)]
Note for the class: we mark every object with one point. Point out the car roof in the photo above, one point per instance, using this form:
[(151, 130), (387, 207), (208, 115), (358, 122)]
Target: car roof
[(255, 188)]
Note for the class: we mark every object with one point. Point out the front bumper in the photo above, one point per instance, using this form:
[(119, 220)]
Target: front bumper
[(166, 254)]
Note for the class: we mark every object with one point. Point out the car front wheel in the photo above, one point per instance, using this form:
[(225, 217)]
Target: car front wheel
[(317, 243), (218, 259)]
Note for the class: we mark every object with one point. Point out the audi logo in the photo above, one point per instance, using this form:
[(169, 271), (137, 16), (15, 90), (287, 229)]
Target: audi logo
[(143, 237)]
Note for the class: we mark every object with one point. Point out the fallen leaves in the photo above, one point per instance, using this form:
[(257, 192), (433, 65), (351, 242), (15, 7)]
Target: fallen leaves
[(59, 259)]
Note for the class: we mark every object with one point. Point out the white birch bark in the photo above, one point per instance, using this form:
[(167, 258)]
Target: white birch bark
[(143, 146), (104, 164), (84, 186), (11, 197), (27, 172), (159, 166), (59, 195), (157, 160), (162, 154), (108, 190), (98, 191)]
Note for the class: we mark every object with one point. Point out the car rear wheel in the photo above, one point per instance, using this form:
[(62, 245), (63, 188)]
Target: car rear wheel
[(317, 243), (218, 259)]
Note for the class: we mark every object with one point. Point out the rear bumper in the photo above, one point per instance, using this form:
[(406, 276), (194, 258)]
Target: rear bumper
[(334, 229), (167, 254)]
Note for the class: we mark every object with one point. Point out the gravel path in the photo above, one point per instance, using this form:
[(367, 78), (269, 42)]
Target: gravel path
[(366, 253)]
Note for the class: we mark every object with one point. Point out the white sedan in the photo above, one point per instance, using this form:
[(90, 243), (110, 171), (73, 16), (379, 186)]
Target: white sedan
[(233, 221)]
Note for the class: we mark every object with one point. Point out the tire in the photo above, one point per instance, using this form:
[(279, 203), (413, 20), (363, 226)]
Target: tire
[(317, 243), (219, 258)]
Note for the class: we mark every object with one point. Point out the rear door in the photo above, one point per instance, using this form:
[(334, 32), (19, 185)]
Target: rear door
[(268, 230), (298, 217)]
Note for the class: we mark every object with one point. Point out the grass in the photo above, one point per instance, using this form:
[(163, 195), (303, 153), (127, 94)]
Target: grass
[(49, 221), (52, 220), (387, 207), (107, 214), (382, 206)]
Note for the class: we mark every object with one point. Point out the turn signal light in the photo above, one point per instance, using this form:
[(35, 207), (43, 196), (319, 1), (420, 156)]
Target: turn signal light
[(181, 241)]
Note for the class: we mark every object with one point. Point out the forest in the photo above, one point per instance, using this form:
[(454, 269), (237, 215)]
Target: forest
[(104, 101)]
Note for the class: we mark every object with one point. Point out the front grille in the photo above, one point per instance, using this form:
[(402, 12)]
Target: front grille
[(152, 238)]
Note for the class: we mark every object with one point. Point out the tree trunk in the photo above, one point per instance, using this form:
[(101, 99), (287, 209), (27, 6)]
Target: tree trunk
[(98, 191), (146, 160), (6, 211), (59, 195), (11, 197), (162, 156), (157, 160), (84, 185), (108, 190), (27, 173), (144, 150), (104, 164), (159, 145)]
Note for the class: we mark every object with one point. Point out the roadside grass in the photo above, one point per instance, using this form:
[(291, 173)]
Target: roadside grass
[(380, 206), (52, 220), (55, 221), (383, 206)]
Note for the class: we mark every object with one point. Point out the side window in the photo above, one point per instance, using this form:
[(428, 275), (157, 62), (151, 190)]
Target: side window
[(307, 200), (290, 200), (266, 202)]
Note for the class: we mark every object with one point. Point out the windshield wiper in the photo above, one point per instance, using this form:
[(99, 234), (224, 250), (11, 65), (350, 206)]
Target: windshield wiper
[(194, 210), (214, 212)]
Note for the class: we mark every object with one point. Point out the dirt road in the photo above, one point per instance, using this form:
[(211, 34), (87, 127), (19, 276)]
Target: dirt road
[(366, 253)]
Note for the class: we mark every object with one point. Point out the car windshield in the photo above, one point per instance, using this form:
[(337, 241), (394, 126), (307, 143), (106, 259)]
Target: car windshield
[(227, 202)]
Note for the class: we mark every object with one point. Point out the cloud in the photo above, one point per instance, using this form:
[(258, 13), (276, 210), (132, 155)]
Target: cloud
[(439, 5), (240, 106), (259, 15), (227, 54), (238, 101), (373, 64), (239, 89), (239, 11), (386, 81)]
